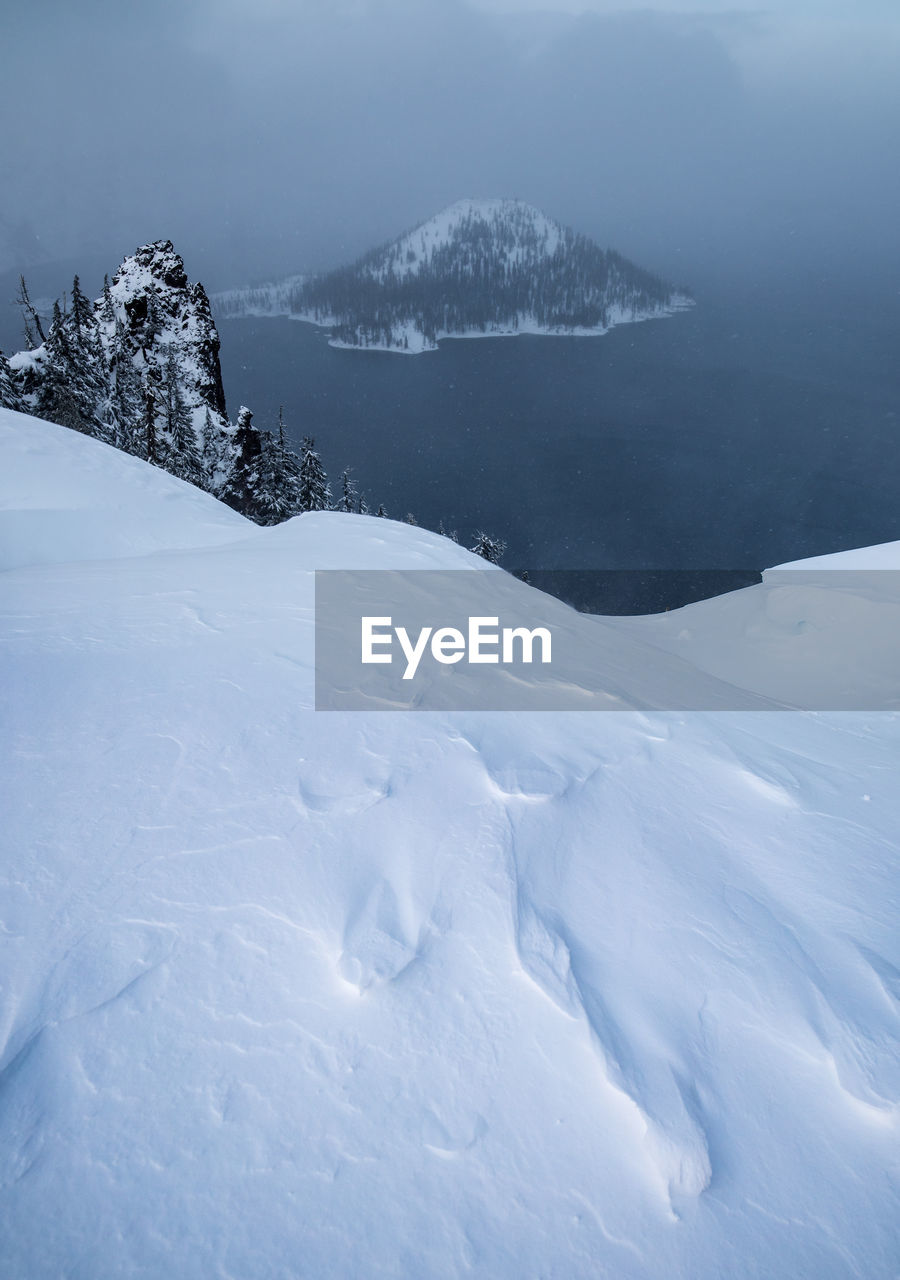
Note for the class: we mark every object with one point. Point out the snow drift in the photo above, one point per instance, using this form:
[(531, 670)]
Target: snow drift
[(534, 995)]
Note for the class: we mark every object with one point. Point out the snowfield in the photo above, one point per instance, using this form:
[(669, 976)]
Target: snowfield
[(549, 995)]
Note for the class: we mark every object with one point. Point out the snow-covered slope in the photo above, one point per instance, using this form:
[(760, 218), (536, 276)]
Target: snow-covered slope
[(480, 268), (271, 299), (505, 225), (62, 501), (425, 995)]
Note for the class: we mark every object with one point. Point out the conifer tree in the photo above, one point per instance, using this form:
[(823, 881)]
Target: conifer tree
[(241, 488), (488, 547), (213, 453), (151, 403), (9, 393), (289, 473), (314, 493), (81, 312), (153, 323), (58, 398), (348, 492), (278, 486), (266, 507), (107, 309), (127, 399), (181, 456)]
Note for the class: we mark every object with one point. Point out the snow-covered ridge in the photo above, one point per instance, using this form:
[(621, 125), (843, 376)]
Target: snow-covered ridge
[(505, 224), (62, 501), (422, 995), (481, 268), (273, 298)]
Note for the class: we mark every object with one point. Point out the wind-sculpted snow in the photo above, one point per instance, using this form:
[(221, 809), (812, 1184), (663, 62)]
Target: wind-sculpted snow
[(423, 995), (65, 502)]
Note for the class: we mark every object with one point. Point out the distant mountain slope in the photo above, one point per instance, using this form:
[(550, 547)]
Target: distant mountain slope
[(480, 268)]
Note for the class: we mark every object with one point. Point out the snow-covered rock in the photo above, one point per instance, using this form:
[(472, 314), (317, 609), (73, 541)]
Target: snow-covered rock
[(424, 995), (153, 299), (138, 368)]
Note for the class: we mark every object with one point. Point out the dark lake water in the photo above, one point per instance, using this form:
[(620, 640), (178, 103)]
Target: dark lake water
[(757, 428)]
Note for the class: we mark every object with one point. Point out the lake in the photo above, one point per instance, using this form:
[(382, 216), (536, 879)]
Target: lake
[(757, 428)]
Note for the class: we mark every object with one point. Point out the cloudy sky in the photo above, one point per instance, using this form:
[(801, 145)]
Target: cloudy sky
[(278, 135)]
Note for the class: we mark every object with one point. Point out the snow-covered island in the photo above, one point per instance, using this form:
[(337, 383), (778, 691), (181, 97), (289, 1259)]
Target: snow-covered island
[(481, 268)]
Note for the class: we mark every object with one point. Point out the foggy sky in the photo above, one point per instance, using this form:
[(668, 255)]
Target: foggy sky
[(284, 135)]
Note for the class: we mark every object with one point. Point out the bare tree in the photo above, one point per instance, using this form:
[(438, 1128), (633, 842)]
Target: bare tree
[(30, 316)]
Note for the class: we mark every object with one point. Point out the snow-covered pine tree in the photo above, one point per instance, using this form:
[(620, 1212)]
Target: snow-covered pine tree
[(279, 481), (348, 492), (181, 456), (214, 453), (289, 480), (241, 488), (9, 393), (266, 505), (81, 313), (127, 398), (314, 495), (73, 385), (152, 325), (59, 392), (91, 369), (107, 309), (488, 547), (152, 401)]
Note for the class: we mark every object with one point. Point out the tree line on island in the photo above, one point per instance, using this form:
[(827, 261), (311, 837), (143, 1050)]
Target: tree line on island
[(493, 267), (139, 369)]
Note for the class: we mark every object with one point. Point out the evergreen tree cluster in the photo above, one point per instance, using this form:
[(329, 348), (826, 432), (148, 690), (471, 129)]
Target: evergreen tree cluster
[(487, 273), (9, 391), (139, 369)]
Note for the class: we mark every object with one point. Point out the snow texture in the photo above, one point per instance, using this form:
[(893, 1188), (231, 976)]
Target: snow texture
[(417, 996)]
